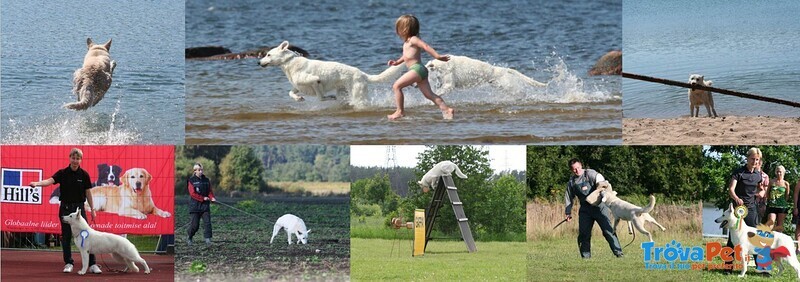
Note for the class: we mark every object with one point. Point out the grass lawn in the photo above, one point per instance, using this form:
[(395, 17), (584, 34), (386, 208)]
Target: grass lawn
[(380, 260), (553, 254)]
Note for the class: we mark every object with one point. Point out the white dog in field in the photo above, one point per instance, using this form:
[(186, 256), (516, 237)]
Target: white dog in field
[(293, 225), (699, 97), (91, 82), (744, 236), (319, 77), (431, 178), (622, 210), (463, 72), (90, 241)]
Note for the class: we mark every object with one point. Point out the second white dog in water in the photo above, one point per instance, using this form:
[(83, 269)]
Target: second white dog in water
[(463, 72), (431, 178), (293, 225), (699, 97), (90, 241), (316, 77)]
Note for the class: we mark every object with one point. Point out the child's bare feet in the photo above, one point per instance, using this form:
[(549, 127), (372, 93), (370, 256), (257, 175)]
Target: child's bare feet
[(396, 115), (448, 114)]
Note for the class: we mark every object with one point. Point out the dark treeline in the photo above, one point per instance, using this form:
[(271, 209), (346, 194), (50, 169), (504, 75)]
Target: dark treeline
[(671, 172), (399, 177), (251, 168)]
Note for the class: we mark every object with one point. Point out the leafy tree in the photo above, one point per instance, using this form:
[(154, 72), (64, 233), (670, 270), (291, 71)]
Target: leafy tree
[(242, 171), (721, 161), (474, 163), (672, 171), (374, 190)]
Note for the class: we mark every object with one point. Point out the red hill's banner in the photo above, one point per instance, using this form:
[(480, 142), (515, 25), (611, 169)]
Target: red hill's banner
[(133, 188)]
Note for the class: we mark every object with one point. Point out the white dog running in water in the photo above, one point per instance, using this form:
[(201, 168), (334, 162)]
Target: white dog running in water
[(740, 236), (319, 77), (92, 241), (91, 82), (293, 225), (431, 178), (623, 210), (463, 72), (699, 97)]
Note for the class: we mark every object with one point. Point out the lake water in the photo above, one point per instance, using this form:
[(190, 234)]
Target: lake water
[(235, 102), (44, 42), (747, 46), (709, 215)]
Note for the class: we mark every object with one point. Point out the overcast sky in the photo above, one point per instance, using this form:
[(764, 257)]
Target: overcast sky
[(501, 157)]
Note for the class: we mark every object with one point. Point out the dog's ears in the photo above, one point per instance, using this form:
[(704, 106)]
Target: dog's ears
[(124, 178), (730, 207), (108, 45), (89, 43), (284, 45), (148, 176)]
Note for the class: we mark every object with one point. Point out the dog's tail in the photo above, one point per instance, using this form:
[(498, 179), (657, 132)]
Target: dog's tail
[(391, 73), (708, 82), (651, 206), (529, 80), (459, 173)]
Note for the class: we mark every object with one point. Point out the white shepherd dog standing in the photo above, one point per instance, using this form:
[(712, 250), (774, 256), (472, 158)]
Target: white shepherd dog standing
[(316, 77), (293, 225), (92, 241)]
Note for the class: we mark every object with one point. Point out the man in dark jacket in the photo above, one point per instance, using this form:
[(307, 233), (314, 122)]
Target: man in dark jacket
[(200, 203), (74, 185), (581, 184)]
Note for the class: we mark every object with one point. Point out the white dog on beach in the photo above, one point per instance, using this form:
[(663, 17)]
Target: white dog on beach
[(699, 97), (91, 82), (462, 72), (293, 225), (316, 77), (744, 236), (90, 241)]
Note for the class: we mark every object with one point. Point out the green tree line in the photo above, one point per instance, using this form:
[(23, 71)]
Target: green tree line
[(671, 172), (721, 161), (494, 204), (251, 168)]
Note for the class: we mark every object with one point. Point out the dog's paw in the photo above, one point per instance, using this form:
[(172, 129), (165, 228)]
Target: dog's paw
[(165, 214), (82, 272), (140, 216), (147, 271)]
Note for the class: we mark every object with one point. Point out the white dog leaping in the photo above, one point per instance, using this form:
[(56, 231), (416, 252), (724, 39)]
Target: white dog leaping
[(316, 77), (622, 210), (463, 72), (91, 82)]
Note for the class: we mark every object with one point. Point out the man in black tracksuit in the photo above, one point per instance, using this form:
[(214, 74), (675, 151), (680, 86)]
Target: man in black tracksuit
[(200, 203), (74, 184), (581, 184)]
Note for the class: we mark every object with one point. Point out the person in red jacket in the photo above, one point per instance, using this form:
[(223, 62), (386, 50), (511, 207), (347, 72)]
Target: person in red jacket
[(200, 203)]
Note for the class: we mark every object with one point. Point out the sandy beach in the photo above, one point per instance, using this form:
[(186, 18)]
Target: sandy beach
[(728, 130)]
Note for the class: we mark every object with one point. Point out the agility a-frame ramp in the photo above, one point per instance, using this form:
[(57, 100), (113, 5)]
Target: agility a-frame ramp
[(446, 185)]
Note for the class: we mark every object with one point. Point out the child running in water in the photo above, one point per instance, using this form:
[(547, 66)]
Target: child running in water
[(407, 27)]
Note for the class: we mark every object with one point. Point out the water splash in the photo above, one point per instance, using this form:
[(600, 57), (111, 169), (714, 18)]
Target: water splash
[(71, 127)]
